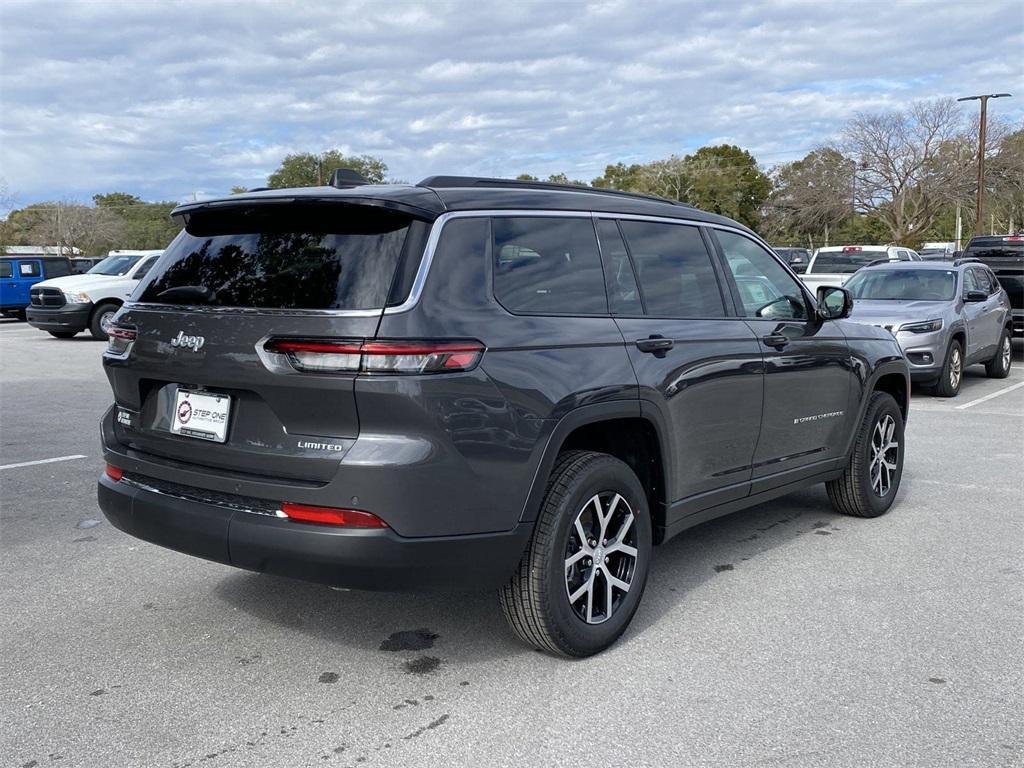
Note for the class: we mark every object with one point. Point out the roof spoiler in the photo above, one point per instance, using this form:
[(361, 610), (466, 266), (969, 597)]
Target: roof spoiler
[(343, 178)]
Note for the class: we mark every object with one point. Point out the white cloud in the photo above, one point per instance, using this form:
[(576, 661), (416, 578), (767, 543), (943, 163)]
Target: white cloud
[(163, 99)]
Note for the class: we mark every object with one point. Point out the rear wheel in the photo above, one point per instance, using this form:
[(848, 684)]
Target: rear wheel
[(952, 374), (582, 576), (63, 334), (101, 319), (870, 482), (999, 366)]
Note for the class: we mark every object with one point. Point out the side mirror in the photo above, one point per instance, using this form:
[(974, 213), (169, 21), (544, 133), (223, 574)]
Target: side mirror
[(975, 296), (834, 303)]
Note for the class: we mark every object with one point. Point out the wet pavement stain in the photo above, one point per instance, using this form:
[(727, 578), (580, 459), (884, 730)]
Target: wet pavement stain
[(83, 538), (410, 640), (98, 692), (824, 533), (820, 524), (429, 727), (328, 677), (725, 567), (422, 665), (936, 680)]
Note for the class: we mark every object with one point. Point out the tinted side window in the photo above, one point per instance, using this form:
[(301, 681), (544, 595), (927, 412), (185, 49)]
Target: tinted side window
[(970, 282), (57, 268), (6, 269), (981, 277), (674, 270), (767, 291), (623, 294), (548, 265)]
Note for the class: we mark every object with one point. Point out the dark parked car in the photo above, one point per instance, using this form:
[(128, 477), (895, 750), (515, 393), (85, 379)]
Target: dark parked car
[(1004, 255), (482, 384), (797, 258)]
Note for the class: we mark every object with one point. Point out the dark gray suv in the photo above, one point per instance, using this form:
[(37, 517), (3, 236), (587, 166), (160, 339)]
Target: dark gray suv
[(475, 383)]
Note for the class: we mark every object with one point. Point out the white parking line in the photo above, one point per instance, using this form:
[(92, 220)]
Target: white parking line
[(42, 461), (997, 393)]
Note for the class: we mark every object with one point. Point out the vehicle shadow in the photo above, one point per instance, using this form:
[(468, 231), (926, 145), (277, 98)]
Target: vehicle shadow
[(471, 627)]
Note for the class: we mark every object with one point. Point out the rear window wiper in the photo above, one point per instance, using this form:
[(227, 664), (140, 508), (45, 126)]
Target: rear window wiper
[(188, 293)]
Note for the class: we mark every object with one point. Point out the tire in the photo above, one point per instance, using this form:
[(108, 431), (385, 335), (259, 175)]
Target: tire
[(856, 492), (63, 334), (952, 375), (999, 366), (100, 316), (536, 601)]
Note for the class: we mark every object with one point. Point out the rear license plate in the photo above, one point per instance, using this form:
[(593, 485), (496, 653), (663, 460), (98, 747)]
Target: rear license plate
[(203, 415)]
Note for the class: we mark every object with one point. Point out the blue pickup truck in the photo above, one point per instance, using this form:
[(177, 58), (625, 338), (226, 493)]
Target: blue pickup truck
[(19, 273)]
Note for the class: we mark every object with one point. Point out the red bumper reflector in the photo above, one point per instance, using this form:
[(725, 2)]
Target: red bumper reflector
[(348, 518), (114, 473)]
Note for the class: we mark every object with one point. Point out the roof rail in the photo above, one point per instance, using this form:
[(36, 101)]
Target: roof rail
[(965, 260), (481, 181), (343, 178)]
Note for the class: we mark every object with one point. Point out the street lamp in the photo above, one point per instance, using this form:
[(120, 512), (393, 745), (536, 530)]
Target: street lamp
[(981, 152)]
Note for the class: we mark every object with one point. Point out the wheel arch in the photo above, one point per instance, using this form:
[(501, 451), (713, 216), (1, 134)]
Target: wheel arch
[(621, 429)]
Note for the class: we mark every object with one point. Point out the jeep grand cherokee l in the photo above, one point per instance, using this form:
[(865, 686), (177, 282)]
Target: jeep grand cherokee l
[(474, 383)]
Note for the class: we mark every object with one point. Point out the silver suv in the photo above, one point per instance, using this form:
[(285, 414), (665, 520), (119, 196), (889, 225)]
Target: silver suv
[(945, 317)]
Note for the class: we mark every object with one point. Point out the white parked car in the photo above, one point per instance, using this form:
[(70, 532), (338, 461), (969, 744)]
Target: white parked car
[(834, 265), (68, 305)]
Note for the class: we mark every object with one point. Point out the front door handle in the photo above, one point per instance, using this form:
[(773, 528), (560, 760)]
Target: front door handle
[(656, 345), (776, 340)]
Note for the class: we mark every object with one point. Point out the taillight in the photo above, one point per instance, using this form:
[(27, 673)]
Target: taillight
[(120, 339), (114, 473), (347, 518), (402, 357)]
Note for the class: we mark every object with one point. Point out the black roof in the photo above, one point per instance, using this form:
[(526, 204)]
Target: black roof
[(436, 195)]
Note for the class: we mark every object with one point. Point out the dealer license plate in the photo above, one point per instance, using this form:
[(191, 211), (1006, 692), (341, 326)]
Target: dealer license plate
[(203, 415)]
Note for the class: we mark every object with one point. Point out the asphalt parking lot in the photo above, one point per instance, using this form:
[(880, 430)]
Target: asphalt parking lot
[(783, 635)]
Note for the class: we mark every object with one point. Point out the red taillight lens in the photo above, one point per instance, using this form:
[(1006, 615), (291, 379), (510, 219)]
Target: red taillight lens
[(404, 357), (120, 339), (114, 473), (348, 518)]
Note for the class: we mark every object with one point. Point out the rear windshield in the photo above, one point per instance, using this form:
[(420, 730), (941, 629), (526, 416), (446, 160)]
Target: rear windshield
[(995, 247), (903, 285), (282, 257), (844, 262)]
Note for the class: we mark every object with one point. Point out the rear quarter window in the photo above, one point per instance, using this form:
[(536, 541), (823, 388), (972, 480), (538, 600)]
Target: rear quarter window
[(547, 265), (6, 269)]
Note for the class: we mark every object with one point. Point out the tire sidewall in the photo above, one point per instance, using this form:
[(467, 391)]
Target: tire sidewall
[(944, 387), (883, 406), (1003, 370), (584, 639), (96, 326)]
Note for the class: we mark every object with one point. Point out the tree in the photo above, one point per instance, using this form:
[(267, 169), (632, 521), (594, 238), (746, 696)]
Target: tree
[(812, 196), (905, 165), (305, 169), (726, 180), (1005, 181), (145, 225)]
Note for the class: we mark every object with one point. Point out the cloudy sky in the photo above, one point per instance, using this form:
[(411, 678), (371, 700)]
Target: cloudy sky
[(167, 100)]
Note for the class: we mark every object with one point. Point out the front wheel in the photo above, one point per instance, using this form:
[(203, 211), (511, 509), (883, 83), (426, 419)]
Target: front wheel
[(952, 374), (580, 580), (102, 316), (999, 366), (870, 482)]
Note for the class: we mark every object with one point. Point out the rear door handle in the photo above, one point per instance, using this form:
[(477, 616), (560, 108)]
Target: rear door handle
[(776, 340), (656, 345)]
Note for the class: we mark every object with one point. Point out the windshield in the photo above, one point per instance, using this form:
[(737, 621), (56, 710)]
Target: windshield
[(274, 257), (115, 265), (843, 262), (903, 285)]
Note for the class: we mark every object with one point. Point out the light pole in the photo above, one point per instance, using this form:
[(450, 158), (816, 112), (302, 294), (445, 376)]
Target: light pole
[(981, 152)]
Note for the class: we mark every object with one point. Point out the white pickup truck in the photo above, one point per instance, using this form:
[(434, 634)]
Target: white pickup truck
[(65, 306), (833, 265)]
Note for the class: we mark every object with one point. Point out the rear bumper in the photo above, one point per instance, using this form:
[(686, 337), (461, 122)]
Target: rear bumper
[(71, 317), (358, 559)]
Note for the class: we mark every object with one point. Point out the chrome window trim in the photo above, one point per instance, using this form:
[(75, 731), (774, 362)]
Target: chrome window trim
[(423, 271)]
